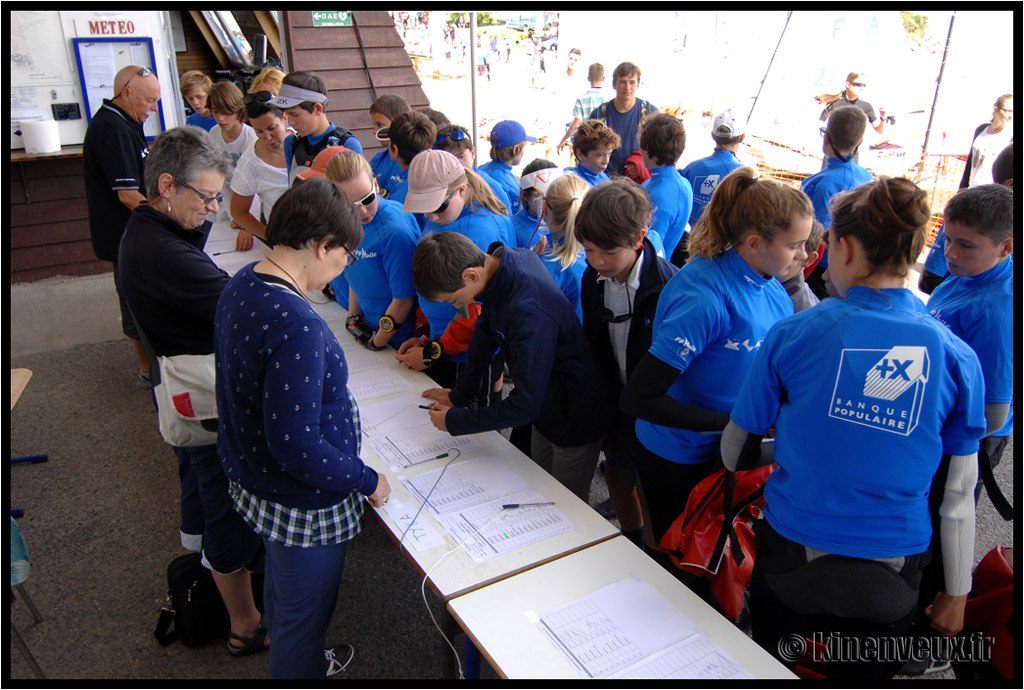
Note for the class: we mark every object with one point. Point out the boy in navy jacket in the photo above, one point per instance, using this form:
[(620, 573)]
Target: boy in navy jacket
[(619, 295), (554, 368)]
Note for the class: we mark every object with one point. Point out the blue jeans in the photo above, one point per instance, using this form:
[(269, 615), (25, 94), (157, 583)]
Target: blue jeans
[(299, 594)]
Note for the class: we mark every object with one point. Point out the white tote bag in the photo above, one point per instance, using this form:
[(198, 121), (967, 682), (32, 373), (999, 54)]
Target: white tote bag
[(185, 398)]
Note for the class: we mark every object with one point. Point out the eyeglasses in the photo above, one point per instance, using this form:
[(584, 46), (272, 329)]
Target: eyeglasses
[(352, 258), (822, 131), (1006, 110), (257, 97), (457, 135), (143, 72), (218, 197), (858, 84), (444, 207)]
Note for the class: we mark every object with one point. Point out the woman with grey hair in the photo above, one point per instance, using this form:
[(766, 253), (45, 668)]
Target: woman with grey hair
[(172, 288)]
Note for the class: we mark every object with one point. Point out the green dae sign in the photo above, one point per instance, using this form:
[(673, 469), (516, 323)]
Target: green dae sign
[(332, 18)]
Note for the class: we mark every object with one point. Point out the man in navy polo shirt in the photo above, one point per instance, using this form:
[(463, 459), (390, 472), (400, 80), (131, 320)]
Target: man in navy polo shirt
[(623, 114), (114, 158)]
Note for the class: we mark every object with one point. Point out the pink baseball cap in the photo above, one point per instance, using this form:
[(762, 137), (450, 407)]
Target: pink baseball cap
[(431, 172)]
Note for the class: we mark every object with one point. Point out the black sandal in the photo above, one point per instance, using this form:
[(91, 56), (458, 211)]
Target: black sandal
[(250, 645)]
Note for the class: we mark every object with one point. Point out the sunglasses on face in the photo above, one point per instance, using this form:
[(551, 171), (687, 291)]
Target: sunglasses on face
[(366, 200), (257, 97), (858, 84), (444, 207), (457, 135), (207, 200)]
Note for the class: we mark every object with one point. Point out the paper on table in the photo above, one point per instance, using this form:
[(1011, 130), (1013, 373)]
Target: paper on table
[(421, 535), (695, 657), (398, 449), (465, 484), (367, 385), (489, 530), (360, 360), (613, 628)]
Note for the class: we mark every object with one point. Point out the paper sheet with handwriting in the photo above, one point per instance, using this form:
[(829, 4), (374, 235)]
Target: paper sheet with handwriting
[(629, 628), (419, 535)]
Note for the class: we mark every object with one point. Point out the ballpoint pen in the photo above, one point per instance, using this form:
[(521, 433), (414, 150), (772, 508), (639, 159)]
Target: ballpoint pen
[(527, 505)]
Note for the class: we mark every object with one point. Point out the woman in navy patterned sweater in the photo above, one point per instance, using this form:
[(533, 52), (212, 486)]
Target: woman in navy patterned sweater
[(289, 435)]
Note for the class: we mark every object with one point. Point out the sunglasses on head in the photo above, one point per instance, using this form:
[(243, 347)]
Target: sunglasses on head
[(257, 97), (457, 135), (143, 72)]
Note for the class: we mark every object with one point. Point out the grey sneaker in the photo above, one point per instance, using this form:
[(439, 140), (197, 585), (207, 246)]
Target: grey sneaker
[(338, 662), (145, 380)]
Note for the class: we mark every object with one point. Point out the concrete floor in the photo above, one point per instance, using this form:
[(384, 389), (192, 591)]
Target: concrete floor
[(100, 517)]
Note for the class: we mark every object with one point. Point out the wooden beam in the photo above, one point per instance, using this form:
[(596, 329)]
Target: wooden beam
[(211, 40)]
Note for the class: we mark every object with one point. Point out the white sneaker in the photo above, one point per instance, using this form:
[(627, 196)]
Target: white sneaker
[(336, 665)]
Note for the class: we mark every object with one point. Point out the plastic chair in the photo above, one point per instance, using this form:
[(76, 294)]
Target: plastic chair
[(19, 574)]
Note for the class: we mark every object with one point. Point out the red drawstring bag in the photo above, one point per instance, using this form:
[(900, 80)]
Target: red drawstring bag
[(991, 612), (697, 540)]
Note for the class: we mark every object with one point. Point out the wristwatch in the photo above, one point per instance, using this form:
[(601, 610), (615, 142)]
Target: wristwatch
[(387, 324), (432, 351)]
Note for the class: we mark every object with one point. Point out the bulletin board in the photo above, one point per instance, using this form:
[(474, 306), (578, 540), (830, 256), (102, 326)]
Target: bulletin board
[(100, 59)]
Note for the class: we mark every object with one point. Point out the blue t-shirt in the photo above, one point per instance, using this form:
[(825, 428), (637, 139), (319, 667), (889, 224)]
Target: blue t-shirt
[(527, 233), (839, 176), (502, 174), (671, 201), (625, 125), (704, 176), (383, 168), (590, 178), (197, 120), (484, 228), (711, 319), (979, 310), (383, 271), (497, 188), (866, 394), (568, 279), (936, 259)]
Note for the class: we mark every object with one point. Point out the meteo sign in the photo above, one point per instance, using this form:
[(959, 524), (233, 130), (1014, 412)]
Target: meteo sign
[(111, 28)]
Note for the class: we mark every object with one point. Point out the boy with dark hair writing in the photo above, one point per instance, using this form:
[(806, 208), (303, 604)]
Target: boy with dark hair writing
[(525, 315)]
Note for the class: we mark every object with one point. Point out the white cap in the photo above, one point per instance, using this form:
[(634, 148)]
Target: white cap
[(727, 125), (539, 179)]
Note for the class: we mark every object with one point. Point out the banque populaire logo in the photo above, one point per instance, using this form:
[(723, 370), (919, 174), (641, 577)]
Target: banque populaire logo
[(882, 389)]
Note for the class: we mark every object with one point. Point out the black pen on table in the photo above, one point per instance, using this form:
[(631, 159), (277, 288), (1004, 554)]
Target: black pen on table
[(527, 505)]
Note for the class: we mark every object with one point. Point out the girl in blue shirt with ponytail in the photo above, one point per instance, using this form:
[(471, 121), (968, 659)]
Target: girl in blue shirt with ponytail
[(867, 394), (711, 319)]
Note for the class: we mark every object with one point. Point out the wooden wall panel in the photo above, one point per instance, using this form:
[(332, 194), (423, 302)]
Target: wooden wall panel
[(333, 54)]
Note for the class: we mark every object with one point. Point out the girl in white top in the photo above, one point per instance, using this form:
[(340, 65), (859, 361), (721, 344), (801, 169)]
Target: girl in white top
[(261, 171), (230, 134)]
